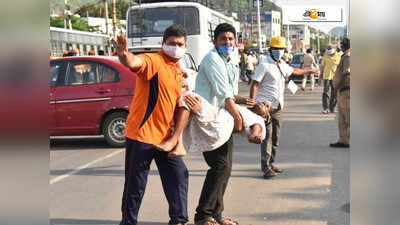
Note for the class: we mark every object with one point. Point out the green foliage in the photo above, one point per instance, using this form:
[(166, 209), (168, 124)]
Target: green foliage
[(57, 22), (323, 43), (97, 9), (77, 24)]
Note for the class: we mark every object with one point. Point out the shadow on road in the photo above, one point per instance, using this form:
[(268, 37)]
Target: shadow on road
[(62, 221), (74, 143)]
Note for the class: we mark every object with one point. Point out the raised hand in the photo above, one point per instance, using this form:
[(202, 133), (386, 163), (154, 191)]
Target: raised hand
[(120, 44)]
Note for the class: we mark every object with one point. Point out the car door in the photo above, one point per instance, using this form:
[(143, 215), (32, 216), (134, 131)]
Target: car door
[(189, 67), (57, 71), (83, 99)]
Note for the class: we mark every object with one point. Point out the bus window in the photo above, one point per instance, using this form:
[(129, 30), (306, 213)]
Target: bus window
[(151, 22)]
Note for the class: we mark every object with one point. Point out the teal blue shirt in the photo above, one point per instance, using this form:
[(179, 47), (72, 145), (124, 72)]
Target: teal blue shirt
[(217, 79)]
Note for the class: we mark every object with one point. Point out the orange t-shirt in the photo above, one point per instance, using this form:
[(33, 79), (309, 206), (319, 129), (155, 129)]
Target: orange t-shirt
[(158, 88)]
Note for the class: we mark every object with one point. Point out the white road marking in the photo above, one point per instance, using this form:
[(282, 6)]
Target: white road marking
[(61, 177)]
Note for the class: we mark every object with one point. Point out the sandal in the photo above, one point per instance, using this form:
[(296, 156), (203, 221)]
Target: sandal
[(231, 222), (209, 220)]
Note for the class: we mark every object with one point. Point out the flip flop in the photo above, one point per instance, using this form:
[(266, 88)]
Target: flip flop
[(228, 219), (207, 220)]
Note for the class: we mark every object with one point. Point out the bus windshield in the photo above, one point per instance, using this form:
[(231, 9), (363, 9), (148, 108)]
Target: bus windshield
[(151, 22)]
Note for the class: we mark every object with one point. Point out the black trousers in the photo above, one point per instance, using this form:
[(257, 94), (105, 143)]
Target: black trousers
[(270, 145), (174, 177), (211, 203), (332, 99)]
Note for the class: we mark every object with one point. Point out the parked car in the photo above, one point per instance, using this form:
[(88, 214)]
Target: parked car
[(296, 63), (90, 96)]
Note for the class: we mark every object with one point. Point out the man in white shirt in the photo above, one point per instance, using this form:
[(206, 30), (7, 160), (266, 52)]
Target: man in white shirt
[(269, 86)]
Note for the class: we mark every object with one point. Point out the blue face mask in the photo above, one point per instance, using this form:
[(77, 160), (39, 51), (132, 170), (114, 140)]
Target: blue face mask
[(277, 54), (225, 50)]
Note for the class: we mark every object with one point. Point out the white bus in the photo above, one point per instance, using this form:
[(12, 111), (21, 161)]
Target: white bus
[(147, 22), (62, 40)]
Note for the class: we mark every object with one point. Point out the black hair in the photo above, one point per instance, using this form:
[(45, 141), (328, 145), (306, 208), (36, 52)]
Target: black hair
[(309, 50), (345, 44), (174, 30), (222, 28)]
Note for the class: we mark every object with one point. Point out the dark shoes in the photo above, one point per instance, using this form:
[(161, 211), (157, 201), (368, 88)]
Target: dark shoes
[(177, 224), (339, 145), (269, 174), (276, 169)]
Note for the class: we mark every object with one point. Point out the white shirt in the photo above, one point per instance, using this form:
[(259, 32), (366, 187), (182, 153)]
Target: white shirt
[(272, 82), (212, 126)]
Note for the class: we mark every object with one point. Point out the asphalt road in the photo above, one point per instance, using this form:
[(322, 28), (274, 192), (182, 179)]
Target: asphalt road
[(87, 177)]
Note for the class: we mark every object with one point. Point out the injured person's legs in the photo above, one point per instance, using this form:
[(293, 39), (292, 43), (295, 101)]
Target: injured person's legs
[(255, 135)]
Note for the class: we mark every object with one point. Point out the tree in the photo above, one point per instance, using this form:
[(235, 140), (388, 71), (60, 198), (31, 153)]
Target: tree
[(77, 24), (97, 9), (57, 22)]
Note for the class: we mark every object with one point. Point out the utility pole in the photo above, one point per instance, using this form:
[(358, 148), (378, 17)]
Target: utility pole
[(114, 5), (259, 25), (65, 13), (106, 16), (318, 43)]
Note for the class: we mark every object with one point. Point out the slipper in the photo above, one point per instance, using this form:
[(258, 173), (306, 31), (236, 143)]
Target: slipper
[(206, 220), (229, 220)]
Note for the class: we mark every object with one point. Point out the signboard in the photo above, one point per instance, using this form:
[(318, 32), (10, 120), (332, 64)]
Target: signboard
[(255, 3), (264, 18), (311, 14)]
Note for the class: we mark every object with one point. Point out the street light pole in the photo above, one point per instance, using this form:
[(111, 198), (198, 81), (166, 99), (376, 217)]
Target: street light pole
[(259, 25), (106, 16), (65, 13), (318, 44), (114, 5)]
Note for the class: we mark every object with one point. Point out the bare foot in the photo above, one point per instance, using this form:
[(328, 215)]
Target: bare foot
[(167, 145), (179, 150)]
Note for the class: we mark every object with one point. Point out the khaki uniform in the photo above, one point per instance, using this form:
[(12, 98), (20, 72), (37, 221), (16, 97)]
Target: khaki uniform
[(341, 82), (308, 63)]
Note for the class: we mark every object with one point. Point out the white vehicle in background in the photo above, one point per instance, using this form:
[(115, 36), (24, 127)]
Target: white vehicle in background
[(147, 22)]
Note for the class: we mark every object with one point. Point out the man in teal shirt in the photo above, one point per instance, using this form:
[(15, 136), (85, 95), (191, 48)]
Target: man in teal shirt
[(217, 82), (217, 79)]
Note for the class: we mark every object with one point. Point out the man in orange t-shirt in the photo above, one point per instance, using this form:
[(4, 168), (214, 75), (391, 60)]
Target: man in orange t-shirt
[(151, 114)]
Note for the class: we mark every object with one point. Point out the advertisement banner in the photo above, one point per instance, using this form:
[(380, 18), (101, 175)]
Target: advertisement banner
[(311, 14)]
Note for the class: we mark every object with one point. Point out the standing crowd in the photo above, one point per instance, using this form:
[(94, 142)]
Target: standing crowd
[(164, 118)]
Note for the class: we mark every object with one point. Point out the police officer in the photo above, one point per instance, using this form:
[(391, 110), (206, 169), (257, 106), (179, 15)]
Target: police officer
[(341, 82)]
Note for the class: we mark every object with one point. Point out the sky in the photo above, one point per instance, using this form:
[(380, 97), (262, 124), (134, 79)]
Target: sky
[(326, 27)]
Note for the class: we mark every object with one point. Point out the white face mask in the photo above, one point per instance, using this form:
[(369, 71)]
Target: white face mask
[(330, 52), (173, 51)]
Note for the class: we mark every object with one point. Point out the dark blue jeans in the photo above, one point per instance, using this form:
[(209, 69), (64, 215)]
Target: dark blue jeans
[(174, 177), (329, 101)]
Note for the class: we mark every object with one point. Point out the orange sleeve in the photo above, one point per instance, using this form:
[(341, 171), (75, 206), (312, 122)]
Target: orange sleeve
[(151, 65)]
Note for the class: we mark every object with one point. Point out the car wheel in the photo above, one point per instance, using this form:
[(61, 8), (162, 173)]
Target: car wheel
[(114, 129)]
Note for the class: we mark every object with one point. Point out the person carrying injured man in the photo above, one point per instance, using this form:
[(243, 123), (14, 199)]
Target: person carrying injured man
[(210, 126)]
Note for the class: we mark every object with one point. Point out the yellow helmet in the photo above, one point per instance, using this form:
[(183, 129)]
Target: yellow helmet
[(277, 42)]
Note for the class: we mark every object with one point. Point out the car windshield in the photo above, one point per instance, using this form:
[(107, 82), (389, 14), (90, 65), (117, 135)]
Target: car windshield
[(297, 59), (152, 22)]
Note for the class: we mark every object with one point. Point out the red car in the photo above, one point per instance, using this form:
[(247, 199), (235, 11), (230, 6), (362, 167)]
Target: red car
[(90, 96)]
